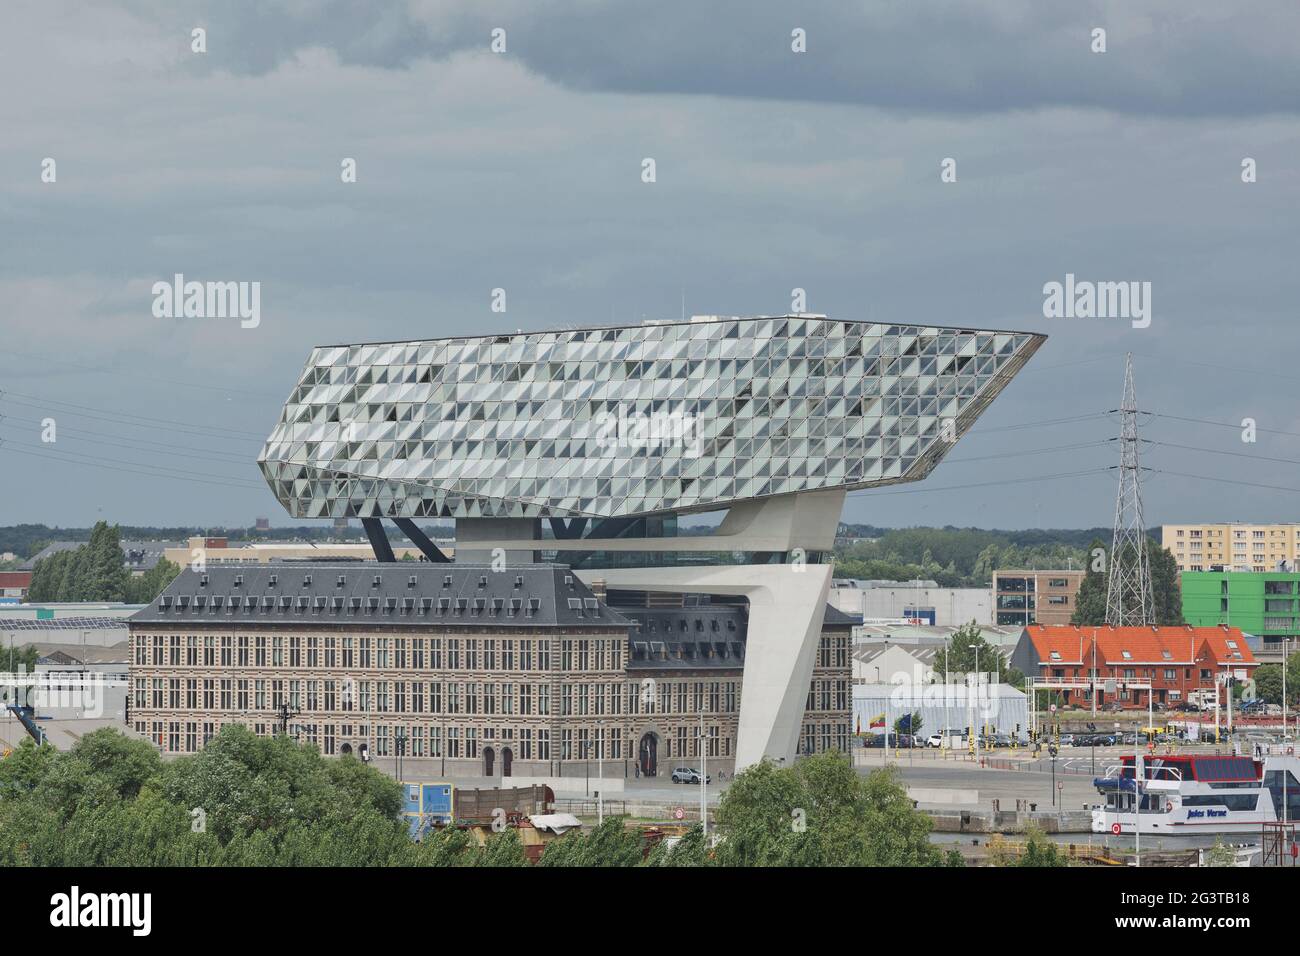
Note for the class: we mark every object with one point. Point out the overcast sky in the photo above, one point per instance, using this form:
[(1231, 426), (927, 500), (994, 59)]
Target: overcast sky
[(775, 170)]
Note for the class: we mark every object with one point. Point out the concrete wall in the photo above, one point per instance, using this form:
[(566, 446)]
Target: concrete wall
[(953, 607)]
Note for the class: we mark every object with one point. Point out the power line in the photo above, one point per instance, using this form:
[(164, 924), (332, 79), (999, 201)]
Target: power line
[(58, 454), (1039, 424), (1234, 425), (1226, 481), (123, 418), (1233, 454), (986, 484), (134, 444), (135, 471), (135, 377), (1031, 451)]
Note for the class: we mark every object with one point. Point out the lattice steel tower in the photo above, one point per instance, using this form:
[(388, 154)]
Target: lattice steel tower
[(1129, 599)]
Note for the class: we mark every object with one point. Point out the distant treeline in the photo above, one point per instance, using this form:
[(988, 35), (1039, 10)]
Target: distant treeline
[(25, 540), (958, 557)]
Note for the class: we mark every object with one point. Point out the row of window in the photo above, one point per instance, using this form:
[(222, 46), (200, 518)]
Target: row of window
[(647, 696), (380, 653), (525, 743)]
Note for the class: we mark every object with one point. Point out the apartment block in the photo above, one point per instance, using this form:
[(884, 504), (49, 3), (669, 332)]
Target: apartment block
[(1021, 598), (1233, 546)]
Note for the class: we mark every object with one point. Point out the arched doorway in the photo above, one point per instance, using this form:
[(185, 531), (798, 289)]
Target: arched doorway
[(507, 759), (647, 754), (345, 749), (489, 759)]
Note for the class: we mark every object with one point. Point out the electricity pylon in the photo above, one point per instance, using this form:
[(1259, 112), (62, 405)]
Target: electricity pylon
[(1129, 599)]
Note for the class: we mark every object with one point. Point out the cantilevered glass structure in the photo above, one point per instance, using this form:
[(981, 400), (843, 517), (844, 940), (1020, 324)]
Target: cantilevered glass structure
[(636, 420), (612, 434)]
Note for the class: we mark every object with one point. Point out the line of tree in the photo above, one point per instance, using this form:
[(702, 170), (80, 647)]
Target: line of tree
[(957, 557), (967, 648), (27, 540), (1268, 682), (96, 571), (246, 800)]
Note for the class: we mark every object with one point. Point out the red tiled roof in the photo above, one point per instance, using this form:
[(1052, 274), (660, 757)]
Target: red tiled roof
[(15, 579), (1143, 645), (1215, 642), (1066, 639)]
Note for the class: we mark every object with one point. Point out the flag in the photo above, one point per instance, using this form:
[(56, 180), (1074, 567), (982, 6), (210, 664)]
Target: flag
[(878, 721)]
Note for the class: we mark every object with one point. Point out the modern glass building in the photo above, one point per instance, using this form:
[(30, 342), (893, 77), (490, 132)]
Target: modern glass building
[(611, 436)]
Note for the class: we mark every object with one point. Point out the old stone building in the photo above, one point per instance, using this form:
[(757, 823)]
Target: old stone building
[(517, 672)]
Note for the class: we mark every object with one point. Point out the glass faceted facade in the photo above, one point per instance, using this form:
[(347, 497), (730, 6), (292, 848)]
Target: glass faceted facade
[(646, 419)]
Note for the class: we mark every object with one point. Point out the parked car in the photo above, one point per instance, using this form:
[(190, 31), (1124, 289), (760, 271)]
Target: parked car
[(934, 740), (1067, 740), (875, 740), (1104, 740), (1084, 740), (1000, 740), (688, 775)]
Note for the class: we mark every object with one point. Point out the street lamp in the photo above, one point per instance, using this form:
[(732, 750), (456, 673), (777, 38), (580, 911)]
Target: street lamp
[(976, 649), (704, 782), (600, 772)]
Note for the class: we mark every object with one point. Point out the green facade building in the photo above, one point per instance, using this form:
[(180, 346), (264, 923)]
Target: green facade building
[(1266, 604)]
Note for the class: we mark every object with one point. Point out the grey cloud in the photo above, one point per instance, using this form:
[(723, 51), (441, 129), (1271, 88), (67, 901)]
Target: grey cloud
[(1165, 57)]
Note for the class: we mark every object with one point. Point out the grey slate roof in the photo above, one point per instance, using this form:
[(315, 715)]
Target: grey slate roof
[(371, 594), (707, 636), (834, 617)]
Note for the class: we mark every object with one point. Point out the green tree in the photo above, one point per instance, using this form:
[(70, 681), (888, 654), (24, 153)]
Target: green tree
[(1090, 604), (1220, 854), (1040, 851), (1167, 609), (146, 587), (691, 850), (908, 724), (609, 844), (820, 812), (1268, 681), (959, 655)]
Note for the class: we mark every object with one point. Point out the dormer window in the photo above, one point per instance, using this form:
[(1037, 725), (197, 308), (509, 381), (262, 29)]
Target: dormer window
[(1126, 655)]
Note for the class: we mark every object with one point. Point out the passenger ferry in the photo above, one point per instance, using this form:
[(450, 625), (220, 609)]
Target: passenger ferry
[(1198, 793)]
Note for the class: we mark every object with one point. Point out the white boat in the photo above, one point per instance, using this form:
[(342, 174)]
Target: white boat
[(1197, 793)]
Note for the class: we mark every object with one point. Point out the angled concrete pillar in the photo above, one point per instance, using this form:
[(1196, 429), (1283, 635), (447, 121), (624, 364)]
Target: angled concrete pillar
[(787, 603)]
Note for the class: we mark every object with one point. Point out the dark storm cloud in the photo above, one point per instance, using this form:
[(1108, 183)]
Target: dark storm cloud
[(1167, 57), (522, 171)]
